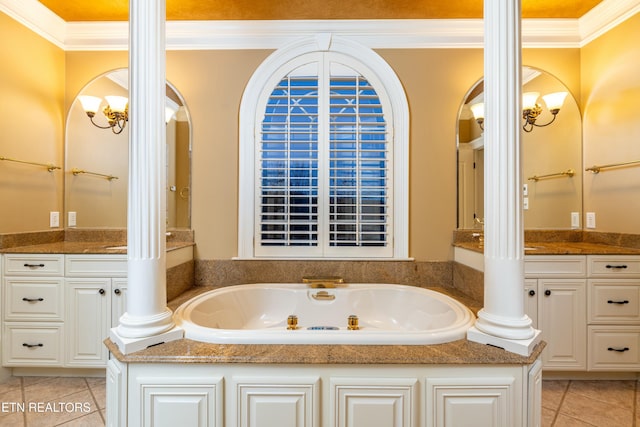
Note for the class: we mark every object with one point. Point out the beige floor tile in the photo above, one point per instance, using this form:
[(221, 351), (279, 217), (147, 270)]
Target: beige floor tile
[(10, 384), (15, 419), (91, 420), (98, 387), (548, 416), (28, 381), (55, 387), (564, 421), (73, 406), (553, 392), (594, 411), (617, 393)]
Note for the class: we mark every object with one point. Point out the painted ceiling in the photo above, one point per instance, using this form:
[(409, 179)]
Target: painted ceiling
[(117, 10)]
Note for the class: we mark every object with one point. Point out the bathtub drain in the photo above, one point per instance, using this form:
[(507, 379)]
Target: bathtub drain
[(323, 328)]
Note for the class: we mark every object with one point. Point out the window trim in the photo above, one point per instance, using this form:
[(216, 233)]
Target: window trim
[(259, 84)]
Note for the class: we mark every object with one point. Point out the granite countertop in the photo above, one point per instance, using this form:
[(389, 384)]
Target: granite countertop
[(563, 248), (66, 247)]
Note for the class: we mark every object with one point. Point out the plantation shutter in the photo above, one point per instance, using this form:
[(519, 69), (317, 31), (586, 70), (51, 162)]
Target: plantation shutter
[(323, 179)]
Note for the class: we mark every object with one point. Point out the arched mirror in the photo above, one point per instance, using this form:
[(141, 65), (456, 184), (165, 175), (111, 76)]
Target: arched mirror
[(97, 156), (551, 155)]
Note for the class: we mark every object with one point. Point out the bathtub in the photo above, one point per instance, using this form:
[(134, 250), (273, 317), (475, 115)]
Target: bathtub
[(387, 314)]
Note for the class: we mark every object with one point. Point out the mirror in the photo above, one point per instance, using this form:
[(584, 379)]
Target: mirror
[(97, 159), (551, 158)]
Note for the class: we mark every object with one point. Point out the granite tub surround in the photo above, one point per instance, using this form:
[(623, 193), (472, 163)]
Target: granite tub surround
[(461, 352), (218, 273)]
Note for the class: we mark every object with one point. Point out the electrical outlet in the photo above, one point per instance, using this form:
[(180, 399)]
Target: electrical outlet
[(54, 219), (575, 219), (591, 220), (71, 220), (525, 203)]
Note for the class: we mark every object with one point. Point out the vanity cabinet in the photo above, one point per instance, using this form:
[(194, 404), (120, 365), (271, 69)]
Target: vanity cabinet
[(58, 309), (33, 310), (588, 309), (614, 313), (555, 300), (92, 304)]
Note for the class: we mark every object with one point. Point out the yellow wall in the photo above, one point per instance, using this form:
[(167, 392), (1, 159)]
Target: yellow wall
[(435, 80), (32, 88), (611, 91)]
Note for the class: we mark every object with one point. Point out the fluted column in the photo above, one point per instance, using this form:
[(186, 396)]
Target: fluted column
[(502, 322), (147, 320)]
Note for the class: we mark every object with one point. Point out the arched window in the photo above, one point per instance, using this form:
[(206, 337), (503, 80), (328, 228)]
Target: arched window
[(323, 155)]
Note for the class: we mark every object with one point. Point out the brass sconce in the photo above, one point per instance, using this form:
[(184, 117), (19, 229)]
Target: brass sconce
[(116, 111), (530, 109)]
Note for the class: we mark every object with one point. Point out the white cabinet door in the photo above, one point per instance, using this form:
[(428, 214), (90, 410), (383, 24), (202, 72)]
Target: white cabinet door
[(274, 401), (87, 322), (366, 402), (472, 402), (563, 320), (118, 300)]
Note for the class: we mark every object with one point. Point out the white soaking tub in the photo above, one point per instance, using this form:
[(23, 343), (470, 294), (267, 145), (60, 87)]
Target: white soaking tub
[(387, 314)]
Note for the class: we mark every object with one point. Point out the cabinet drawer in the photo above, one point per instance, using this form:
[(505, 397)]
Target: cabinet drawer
[(33, 299), (96, 265), (614, 348), (33, 265), (556, 266), (613, 266), (614, 300), (32, 345)]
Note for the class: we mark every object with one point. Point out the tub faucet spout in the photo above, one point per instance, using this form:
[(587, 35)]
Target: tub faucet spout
[(323, 282)]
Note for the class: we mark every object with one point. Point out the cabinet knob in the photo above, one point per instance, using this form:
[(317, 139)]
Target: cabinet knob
[(547, 292), (532, 292), (116, 291), (101, 291)]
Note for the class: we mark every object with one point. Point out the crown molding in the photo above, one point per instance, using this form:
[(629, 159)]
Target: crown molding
[(604, 17), (376, 34)]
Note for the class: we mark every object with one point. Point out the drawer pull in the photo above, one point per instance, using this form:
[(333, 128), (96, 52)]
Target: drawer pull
[(616, 267), (32, 345), (618, 302), (33, 265), (32, 299), (619, 350)]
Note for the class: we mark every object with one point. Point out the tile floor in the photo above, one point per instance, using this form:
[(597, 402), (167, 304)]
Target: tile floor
[(52, 401), (80, 402)]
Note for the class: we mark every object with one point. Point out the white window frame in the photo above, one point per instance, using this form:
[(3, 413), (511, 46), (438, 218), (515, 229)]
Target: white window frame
[(261, 84)]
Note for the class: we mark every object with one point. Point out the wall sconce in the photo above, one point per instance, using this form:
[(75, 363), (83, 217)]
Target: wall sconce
[(116, 111), (530, 109)]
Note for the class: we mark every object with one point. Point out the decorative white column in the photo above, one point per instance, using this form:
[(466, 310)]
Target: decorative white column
[(147, 321), (502, 322)]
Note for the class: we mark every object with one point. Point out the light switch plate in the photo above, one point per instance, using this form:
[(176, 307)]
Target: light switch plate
[(525, 203), (54, 219), (591, 220), (71, 220), (575, 219)]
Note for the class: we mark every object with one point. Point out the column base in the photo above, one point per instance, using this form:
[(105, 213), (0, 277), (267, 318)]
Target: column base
[(131, 345), (521, 347)]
